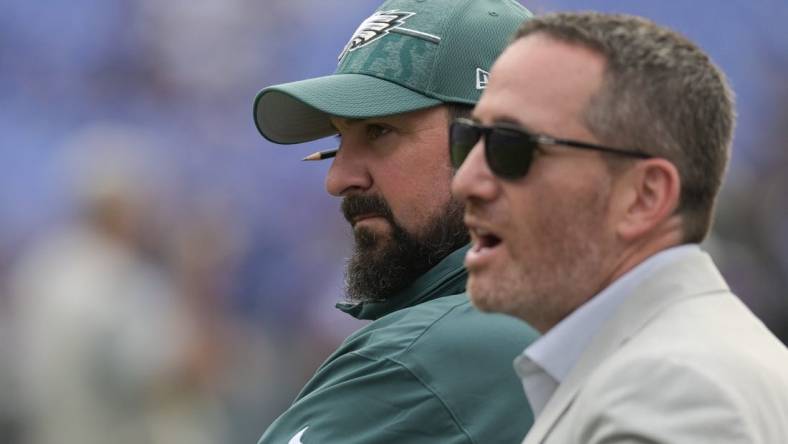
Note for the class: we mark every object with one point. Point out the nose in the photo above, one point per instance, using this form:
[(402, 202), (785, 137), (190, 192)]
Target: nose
[(348, 172), (474, 181)]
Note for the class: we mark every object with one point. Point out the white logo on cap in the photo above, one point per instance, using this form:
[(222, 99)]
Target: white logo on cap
[(380, 24), (482, 77)]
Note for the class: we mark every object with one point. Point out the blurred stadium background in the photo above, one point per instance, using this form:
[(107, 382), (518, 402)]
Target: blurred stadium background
[(167, 276)]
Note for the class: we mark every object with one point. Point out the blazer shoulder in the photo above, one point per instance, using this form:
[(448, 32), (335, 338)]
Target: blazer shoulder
[(657, 399), (704, 366)]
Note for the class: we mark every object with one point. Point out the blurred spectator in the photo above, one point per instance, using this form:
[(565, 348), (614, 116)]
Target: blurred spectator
[(104, 342)]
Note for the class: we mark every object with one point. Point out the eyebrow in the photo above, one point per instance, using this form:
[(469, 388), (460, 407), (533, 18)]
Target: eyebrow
[(347, 120)]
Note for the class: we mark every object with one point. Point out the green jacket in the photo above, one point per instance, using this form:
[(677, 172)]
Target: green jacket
[(430, 368)]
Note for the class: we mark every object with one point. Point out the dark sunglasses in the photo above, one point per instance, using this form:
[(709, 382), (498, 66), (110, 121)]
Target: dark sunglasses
[(509, 149)]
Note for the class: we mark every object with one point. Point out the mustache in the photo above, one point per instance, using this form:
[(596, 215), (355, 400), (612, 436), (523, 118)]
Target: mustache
[(354, 206)]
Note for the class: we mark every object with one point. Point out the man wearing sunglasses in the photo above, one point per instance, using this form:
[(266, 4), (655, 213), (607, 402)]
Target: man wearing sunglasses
[(429, 368), (589, 170)]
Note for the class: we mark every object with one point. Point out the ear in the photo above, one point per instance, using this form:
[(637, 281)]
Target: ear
[(649, 197)]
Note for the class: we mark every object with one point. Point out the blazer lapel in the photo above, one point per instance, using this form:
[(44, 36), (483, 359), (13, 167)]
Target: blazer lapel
[(693, 275)]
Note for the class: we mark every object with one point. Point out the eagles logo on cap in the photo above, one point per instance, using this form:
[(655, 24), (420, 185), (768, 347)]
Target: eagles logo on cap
[(378, 25), (406, 56)]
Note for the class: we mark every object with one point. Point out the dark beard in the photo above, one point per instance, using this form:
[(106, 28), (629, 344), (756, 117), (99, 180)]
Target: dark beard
[(383, 265)]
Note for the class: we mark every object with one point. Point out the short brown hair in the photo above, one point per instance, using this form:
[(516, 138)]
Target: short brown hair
[(661, 94)]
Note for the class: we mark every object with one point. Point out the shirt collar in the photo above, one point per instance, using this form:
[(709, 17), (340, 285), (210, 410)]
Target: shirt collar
[(550, 358), (560, 348), (446, 278)]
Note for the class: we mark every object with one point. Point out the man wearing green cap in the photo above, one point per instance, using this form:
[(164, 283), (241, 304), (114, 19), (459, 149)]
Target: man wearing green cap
[(429, 368)]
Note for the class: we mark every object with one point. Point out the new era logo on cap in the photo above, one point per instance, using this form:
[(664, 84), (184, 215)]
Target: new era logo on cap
[(378, 25), (482, 77)]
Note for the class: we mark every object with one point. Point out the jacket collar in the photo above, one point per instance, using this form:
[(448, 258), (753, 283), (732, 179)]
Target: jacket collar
[(446, 278), (693, 275)]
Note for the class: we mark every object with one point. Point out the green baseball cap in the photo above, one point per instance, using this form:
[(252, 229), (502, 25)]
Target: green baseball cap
[(408, 55)]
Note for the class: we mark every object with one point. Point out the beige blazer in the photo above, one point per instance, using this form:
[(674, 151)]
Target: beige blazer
[(681, 361)]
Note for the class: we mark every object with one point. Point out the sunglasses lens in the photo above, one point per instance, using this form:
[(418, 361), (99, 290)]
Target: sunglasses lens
[(462, 138), (509, 153)]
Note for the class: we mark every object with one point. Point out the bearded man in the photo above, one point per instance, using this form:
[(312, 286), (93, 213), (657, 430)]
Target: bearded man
[(429, 368)]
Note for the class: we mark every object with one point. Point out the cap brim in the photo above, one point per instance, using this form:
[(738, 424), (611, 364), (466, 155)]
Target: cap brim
[(299, 111)]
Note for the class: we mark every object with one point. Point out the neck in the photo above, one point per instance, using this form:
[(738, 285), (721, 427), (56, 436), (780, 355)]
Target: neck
[(666, 236)]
